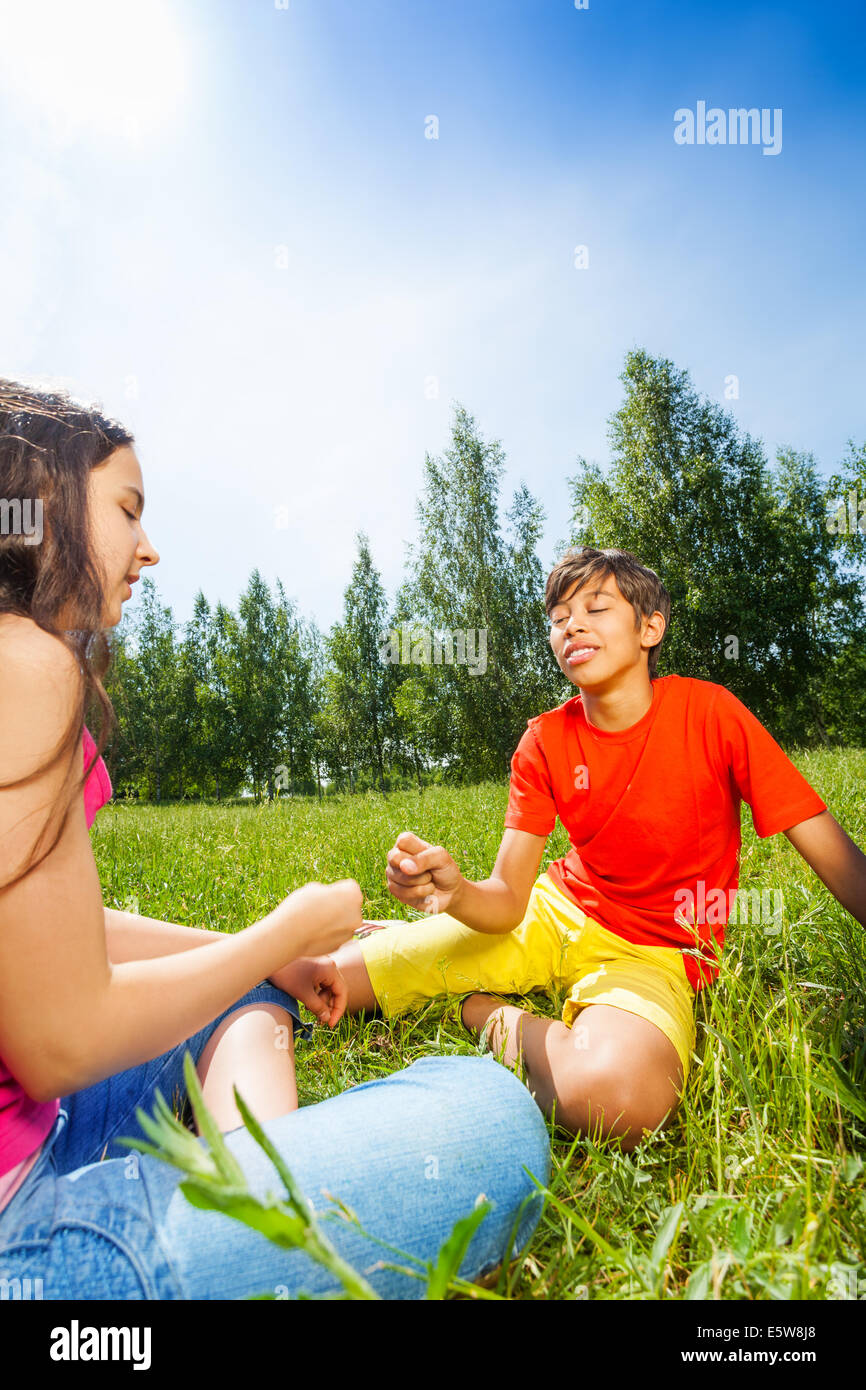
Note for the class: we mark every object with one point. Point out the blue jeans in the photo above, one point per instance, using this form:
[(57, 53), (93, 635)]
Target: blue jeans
[(409, 1154)]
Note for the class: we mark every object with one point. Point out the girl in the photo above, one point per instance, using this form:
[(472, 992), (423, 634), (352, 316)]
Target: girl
[(97, 1007)]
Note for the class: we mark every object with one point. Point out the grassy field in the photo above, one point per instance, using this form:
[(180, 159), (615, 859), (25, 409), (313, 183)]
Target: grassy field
[(756, 1190)]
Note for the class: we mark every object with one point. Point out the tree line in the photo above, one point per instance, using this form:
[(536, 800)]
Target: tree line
[(763, 564)]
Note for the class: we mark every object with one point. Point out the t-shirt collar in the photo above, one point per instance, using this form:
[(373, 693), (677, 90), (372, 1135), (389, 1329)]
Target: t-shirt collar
[(611, 736)]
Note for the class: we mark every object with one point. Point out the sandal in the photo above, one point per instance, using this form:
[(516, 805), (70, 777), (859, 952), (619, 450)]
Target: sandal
[(366, 928)]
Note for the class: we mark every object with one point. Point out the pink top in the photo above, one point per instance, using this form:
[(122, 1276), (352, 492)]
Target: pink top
[(24, 1122)]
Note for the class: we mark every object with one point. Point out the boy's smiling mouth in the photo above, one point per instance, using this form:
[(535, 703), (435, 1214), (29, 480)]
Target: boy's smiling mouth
[(575, 653)]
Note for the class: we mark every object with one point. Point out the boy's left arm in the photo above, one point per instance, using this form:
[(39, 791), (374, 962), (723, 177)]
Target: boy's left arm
[(837, 861)]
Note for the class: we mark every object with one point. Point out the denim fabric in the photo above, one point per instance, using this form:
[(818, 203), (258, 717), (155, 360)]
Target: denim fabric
[(409, 1154), (98, 1114)]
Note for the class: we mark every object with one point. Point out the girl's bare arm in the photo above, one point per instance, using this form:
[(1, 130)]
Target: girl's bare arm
[(68, 1015), (132, 937)]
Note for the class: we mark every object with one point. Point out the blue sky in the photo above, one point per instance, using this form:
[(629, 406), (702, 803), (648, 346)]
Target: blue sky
[(224, 221)]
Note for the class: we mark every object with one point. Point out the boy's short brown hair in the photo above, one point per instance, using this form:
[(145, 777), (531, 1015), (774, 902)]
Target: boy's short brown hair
[(641, 586)]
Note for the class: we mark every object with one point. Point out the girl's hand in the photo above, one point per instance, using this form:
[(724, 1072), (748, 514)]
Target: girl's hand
[(321, 916), (422, 876), (317, 983)]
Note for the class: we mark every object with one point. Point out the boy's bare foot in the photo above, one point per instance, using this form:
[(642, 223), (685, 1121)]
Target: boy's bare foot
[(476, 1010)]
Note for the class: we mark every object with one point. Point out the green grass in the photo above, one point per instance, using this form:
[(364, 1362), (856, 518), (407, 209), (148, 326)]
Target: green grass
[(755, 1190)]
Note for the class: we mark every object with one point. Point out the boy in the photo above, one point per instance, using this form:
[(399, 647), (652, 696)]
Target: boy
[(646, 775)]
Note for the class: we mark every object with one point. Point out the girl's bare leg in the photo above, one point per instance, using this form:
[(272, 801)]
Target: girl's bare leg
[(252, 1049)]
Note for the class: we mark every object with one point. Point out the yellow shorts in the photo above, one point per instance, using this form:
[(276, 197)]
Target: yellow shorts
[(556, 945)]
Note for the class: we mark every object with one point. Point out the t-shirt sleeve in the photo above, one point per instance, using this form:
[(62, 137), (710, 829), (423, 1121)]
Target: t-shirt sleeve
[(531, 806), (778, 794)]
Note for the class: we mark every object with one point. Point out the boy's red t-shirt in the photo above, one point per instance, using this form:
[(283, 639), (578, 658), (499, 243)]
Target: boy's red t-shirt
[(653, 812)]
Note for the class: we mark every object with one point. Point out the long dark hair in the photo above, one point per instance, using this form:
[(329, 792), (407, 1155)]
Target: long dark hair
[(48, 445)]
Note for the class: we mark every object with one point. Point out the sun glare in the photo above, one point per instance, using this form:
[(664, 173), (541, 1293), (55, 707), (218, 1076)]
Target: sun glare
[(113, 67)]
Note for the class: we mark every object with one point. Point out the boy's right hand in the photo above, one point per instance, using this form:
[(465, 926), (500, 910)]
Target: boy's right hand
[(422, 876)]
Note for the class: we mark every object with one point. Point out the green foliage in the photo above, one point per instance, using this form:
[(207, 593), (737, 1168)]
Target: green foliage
[(760, 602), (763, 564), (144, 685), (214, 763), (846, 503), (358, 713), (263, 647), (465, 578)]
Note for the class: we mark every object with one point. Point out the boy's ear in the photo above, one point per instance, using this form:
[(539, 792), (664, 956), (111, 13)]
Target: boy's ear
[(655, 626)]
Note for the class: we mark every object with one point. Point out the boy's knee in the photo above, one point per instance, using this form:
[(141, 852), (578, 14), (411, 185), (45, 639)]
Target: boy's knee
[(601, 1097)]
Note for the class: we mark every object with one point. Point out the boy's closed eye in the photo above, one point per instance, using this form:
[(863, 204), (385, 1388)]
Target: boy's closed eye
[(558, 622)]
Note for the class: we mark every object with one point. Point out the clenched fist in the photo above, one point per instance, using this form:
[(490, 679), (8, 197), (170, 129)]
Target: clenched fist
[(422, 876), (321, 916)]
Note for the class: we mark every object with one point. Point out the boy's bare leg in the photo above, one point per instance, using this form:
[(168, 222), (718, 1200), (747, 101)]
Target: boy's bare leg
[(350, 960), (611, 1071)]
